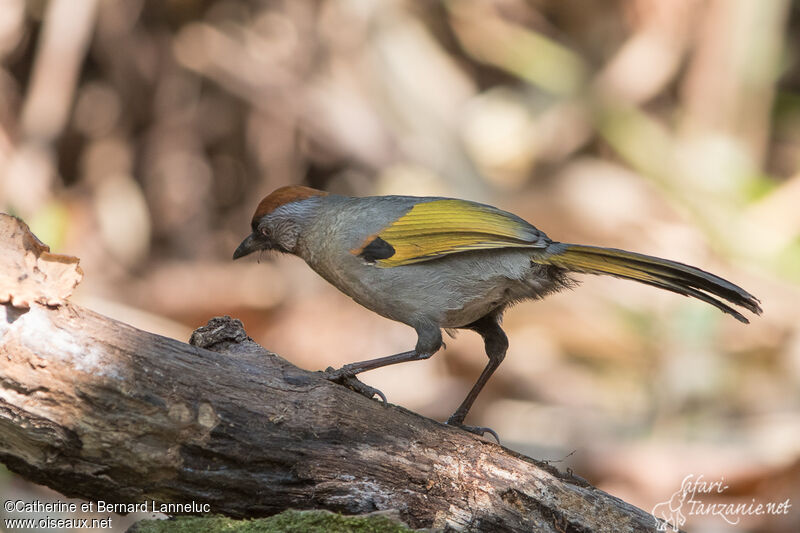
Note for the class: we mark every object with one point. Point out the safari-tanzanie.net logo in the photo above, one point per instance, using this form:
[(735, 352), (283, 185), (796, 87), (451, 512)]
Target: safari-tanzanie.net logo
[(699, 497)]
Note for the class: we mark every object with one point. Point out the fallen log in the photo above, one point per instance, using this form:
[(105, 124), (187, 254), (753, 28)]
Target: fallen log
[(99, 410)]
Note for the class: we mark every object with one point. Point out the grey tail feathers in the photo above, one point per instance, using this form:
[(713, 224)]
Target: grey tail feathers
[(661, 273)]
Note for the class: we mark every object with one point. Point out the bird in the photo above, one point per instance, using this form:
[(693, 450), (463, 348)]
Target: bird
[(438, 263)]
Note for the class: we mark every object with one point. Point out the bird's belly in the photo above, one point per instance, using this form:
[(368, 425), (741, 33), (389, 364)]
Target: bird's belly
[(433, 292), (475, 304), (449, 307), (450, 292), (472, 311)]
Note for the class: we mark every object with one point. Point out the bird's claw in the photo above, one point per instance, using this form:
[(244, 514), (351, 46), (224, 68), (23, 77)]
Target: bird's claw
[(349, 380), (477, 430)]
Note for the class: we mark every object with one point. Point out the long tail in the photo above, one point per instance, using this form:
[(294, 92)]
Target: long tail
[(661, 273)]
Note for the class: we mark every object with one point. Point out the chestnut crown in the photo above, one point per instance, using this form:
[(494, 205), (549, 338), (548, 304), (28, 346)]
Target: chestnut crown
[(282, 196)]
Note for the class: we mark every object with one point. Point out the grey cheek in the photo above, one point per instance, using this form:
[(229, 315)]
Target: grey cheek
[(284, 233)]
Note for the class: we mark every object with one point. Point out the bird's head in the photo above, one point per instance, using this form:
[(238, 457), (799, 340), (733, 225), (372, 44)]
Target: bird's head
[(278, 220)]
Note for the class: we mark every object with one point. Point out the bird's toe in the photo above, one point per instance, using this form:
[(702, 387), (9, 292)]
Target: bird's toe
[(477, 430), (343, 377)]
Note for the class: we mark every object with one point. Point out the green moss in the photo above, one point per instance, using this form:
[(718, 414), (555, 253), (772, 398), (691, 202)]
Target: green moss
[(286, 522)]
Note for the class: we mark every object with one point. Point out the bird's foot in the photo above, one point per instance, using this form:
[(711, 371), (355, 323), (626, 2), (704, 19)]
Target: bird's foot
[(477, 430), (349, 380)]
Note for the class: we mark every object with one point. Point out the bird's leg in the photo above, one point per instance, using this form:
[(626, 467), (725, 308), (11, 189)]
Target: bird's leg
[(496, 344), (352, 369), (429, 341), (346, 375)]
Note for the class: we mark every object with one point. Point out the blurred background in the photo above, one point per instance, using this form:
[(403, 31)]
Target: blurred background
[(140, 135)]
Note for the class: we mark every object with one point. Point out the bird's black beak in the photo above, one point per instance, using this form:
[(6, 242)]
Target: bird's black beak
[(251, 243)]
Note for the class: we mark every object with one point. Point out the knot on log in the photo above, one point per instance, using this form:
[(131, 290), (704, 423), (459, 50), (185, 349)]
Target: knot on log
[(220, 329), (224, 334)]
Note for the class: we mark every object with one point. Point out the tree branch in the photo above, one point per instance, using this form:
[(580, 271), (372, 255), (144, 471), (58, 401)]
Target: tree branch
[(99, 410)]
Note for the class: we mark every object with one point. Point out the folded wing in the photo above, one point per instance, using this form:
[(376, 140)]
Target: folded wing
[(441, 227)]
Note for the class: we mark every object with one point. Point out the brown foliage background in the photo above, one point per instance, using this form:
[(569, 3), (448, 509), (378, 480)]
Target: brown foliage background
[(140, 135)]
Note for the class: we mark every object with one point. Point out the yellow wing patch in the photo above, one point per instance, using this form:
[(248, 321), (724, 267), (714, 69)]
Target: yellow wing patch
[(441, 227)]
